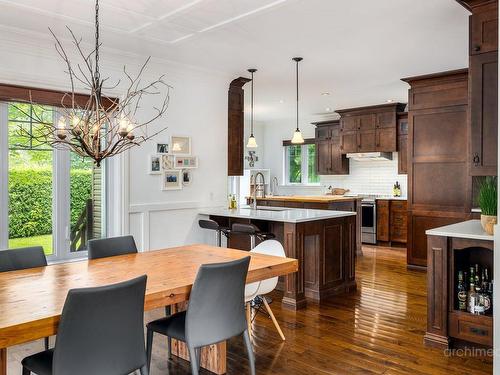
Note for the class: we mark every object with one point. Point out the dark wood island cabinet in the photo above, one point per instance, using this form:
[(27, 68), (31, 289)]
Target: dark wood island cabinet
[(324, 242)]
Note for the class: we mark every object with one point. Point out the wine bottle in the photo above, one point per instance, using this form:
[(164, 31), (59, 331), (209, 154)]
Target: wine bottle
[(461, 292)]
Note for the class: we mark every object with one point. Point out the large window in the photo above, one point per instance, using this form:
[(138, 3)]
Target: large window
[(300, 164), (49, 197)]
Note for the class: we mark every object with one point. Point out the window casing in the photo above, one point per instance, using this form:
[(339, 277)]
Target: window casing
[(300, 164)]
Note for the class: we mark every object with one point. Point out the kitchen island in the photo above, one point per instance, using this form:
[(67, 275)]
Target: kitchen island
[(319, 202), (324, 242)]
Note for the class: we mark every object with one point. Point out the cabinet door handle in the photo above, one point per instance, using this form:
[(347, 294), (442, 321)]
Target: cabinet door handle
[(476, 159)]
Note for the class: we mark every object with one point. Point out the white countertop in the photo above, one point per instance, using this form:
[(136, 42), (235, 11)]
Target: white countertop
[(471, 229), (281, 214)]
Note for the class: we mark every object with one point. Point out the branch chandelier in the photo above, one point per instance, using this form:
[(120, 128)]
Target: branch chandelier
[(102, 127)]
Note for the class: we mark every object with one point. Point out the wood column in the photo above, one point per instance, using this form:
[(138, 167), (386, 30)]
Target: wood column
[(294, 297)]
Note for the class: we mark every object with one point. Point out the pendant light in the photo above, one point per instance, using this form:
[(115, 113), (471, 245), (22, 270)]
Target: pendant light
[(252, 143), (297, 135)]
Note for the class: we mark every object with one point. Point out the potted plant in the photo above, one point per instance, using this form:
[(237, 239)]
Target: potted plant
[(488, 203)]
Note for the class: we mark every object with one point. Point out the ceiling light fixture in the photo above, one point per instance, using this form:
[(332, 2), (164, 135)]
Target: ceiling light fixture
[(297, 135), (325, 93), (101, 127), (252, 143), (328, 109)]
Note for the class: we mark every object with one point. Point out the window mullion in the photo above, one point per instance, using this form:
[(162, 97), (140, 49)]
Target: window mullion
[(4, 176), (304, 166)]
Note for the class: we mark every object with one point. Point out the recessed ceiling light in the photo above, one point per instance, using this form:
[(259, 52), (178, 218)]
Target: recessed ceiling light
[(282, 101), (390, 100), (328, 109), (325, 93)]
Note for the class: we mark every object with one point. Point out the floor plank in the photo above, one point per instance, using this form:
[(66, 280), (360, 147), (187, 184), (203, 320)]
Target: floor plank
[(377, 330)]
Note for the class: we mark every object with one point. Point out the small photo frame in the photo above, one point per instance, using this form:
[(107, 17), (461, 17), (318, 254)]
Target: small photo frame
[(187, 177), (186, 162), (155, 164), (168, 161), (171, 179), (162, 148), (180, 145)]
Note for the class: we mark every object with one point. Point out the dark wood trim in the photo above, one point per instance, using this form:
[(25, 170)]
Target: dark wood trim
[(399, 108), (307, 141), (446, 75), (55, 98)]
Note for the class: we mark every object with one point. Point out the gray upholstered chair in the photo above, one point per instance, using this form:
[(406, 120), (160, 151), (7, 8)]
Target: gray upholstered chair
[(21, 259), (216, 312), (101, 332), (108, 247)]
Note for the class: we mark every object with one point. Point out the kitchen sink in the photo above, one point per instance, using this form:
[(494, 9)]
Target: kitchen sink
[(264, 208)]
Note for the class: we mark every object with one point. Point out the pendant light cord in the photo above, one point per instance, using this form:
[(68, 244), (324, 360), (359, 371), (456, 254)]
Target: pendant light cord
[(297, 86), (252, 106)]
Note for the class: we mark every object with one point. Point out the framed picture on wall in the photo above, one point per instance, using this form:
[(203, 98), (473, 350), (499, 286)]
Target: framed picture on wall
[(162, 148), (186, 162), (155, 164), (171, 179), (168, 161), (180, 145), (186, 177)]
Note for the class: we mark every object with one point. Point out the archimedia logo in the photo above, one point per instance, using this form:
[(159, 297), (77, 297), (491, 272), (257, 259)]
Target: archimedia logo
[(468, 352)]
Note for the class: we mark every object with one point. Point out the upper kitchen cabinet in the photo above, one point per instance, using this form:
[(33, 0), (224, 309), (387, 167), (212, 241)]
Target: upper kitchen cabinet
[(483, 83), (403, 143), (369, 129), (483, 25), (235, 127), (329, 157)]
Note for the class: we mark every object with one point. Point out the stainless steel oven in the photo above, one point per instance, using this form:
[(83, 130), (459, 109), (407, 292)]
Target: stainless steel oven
[(368, 221)]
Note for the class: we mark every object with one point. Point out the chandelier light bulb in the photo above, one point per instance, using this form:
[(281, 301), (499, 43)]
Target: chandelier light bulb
[(61, 128), (75, 124), (123, 129)]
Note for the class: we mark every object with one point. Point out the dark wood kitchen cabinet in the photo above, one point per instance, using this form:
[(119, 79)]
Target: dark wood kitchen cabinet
[(403, 143), (392, 220), (383, 221), (369, 129), (439, 186), (483, 84), (235, 127), (329, 157), (483, 25)]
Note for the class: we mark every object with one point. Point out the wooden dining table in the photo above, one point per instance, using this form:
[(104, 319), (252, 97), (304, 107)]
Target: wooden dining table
[(31, 300)]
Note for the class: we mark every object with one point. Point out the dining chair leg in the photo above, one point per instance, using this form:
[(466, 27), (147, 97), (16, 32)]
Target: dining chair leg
[(169, 344), (47, 343), (26, 371), (251, 356), (249, 318), (194, 361), (144, 370), (149, 346), (273, 318), (168, 311)]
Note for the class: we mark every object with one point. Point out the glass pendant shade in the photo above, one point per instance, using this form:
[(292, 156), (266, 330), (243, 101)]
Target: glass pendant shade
[(252, 143), (297, 137)]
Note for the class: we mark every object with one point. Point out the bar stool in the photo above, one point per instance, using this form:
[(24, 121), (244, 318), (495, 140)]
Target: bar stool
[(219, 230), (253, 231)]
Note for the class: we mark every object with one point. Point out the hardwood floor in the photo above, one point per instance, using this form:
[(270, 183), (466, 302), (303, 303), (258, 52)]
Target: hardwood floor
[(377, 330)]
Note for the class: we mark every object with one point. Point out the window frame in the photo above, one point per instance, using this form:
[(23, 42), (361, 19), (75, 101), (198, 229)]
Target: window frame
[(61, 190), (304, 163)]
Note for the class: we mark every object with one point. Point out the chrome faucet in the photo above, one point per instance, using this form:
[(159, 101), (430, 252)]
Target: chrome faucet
[(260, 188)]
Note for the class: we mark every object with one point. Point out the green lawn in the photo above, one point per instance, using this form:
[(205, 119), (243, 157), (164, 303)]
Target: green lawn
[(45, 241)]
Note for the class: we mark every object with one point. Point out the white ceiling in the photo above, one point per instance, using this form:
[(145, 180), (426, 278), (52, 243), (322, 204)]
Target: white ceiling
[(357, 50)]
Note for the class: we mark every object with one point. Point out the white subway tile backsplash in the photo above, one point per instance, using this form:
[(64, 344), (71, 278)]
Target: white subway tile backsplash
[(365, 177)]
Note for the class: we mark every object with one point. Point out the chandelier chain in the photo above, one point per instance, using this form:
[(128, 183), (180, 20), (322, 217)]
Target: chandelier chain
[(97, 73)]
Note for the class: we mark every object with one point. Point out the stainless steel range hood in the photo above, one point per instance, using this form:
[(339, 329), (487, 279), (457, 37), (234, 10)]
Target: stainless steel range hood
[(370, 156)]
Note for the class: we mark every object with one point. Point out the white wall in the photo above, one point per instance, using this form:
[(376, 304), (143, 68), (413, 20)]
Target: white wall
[(198, 108), (377, 177)]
